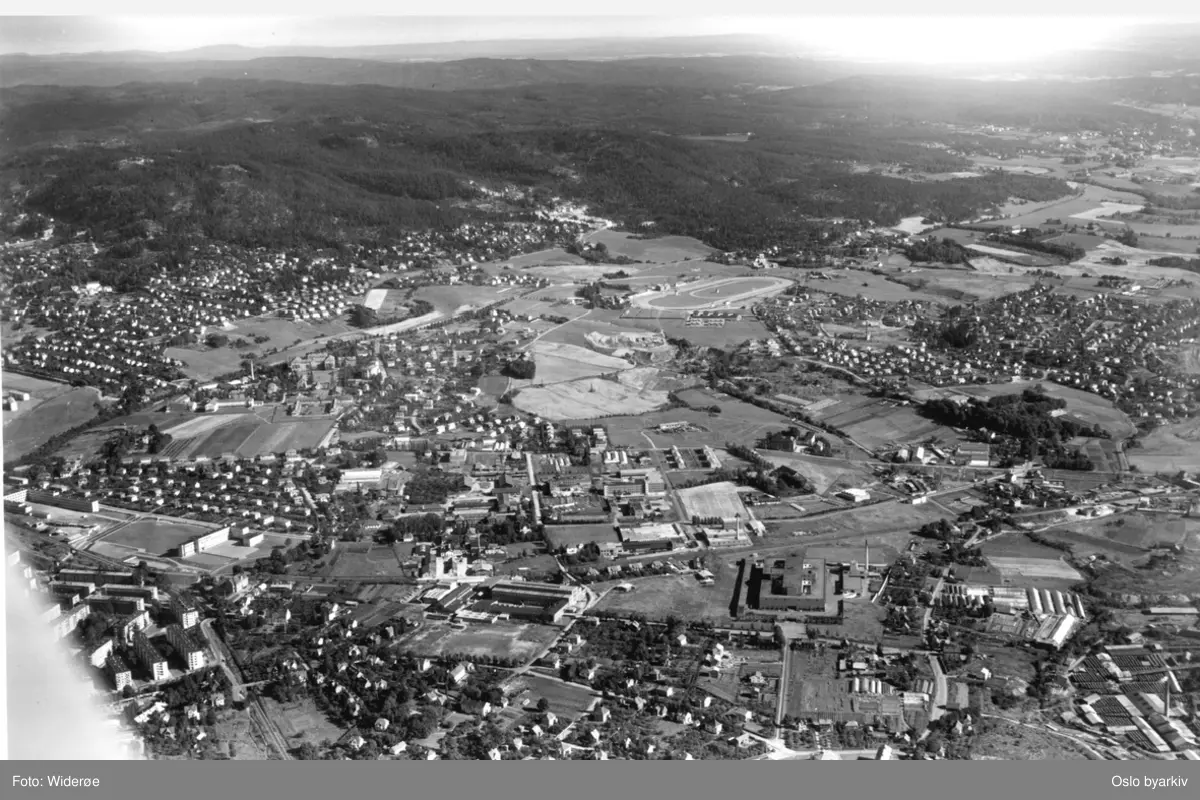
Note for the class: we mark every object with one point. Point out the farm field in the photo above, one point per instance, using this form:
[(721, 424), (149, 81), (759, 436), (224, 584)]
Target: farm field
[(1035, 214), (1085, 405), (587, 398), (1018, 546), (967, 285), (499, 639), (246, 435), (737, 422), (60, 411), (661, 250), (852, 283), (575, 535), (557, 362), (681, 595), (565, 700), (1139, 530), (1018, 568), (449, 300), (154, 535), (301, 722), (912, 225), (879, 423), (1169, 448)]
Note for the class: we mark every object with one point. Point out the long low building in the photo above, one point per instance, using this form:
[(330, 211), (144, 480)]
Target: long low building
[(528, 593)]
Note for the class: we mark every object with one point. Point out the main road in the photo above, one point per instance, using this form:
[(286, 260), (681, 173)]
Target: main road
[(937, 705)]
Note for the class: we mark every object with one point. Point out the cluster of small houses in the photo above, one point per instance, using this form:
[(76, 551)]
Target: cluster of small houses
[(1098, 335), (808, 309), (259, 491)]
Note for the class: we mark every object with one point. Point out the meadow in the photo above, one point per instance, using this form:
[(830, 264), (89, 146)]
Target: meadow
[(62, 408), (589, 398)]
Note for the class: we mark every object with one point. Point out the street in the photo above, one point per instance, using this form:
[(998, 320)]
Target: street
[(940, 692)]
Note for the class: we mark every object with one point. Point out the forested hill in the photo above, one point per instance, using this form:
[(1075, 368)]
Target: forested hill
[(276, 164)]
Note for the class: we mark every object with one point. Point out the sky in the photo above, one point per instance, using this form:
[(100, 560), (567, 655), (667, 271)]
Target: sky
[(930, 37)]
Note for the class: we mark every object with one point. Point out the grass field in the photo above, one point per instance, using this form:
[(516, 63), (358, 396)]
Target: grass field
[(566, 701), (1169, 448), (662, 250), (681, 595), (874, 519), (499, 639), (301, 722), (557, 362), (1141, 530), (451, 299), (27, 428), (372, 561), (587, 398), (574, 535), (879, 423), (728, 335)]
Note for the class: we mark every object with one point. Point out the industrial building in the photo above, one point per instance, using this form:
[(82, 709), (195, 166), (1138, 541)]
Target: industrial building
[(791, 584)]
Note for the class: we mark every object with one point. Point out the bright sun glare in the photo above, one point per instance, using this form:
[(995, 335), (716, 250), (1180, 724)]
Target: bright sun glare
[(958, 40)]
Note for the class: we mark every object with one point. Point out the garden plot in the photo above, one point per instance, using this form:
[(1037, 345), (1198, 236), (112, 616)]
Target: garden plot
[(1035, 568)]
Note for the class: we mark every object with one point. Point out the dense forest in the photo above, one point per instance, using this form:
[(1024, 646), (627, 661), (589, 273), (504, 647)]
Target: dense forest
[(157, 166)]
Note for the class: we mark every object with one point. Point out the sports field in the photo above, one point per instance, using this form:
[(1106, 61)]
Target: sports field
[(355, 561), (155, 535), (713, 500), (710, 293), (499, 639), (575, 535)]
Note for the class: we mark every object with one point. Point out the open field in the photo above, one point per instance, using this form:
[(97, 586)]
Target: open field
[(1140, 530), (681, 595), (1001, 740), (1035, 568), (853, 283), (155, 535), (204, 363), (587, 398), (1089, 198), (661, 250), (375, 299), (730, 334), (880, 518), (557, 362), (879, 423), (374, 561), (1084, 405), (713, 500), (825, 474), (1169, 448), (912, 225), (247, 435), (970, 285), (29, 427), (499, 639), (575, 535), (565, 700), (452, 299), (737, 422), (301, 722)]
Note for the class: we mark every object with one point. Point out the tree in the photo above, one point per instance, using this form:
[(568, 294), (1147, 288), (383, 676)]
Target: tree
[(543, 705)]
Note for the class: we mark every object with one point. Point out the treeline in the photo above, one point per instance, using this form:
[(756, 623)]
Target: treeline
[(946, 251), (1024, 416)]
